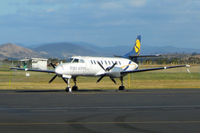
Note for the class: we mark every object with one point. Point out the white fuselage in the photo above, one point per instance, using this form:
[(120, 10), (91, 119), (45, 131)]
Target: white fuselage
[(88, 66)]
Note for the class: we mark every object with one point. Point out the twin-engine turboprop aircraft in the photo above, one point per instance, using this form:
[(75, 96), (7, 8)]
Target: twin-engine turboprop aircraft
[(113, 67)]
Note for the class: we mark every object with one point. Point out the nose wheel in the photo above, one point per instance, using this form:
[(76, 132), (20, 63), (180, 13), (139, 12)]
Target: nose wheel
[(68, 89)]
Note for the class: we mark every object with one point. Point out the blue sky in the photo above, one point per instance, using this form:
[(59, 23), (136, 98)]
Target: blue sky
[(101, 22)]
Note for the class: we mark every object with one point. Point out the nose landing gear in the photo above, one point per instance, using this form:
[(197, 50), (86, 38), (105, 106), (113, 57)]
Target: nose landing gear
[(68, 89), (74, 88)]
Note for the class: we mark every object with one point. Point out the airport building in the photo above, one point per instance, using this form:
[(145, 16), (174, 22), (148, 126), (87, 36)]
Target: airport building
[(34, 63)]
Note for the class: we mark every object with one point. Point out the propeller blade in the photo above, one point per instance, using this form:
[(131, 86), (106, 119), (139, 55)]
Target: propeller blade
[(65, 80), (101, 66), (109, 68), (188, 70), (53, 78), (52, 65), (100, 78), (113, 80)]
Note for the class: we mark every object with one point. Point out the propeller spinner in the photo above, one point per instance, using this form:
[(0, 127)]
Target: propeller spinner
[(54, 77)]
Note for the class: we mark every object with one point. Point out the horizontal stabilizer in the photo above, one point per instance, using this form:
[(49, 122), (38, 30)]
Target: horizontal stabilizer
[(143, 56), (140, 56)]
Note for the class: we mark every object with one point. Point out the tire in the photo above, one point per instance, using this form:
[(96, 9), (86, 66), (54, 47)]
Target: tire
[(121, 88), (75, 88)]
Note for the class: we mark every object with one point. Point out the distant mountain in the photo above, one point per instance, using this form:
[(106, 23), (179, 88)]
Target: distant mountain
[(67, 49), (167, 50), (14, 51)]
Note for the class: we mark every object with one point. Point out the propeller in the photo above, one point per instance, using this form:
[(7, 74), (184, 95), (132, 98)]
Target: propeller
[(109, 68), (106, 70), (53, 78), (188, 68), (101, 78), (101, 66), (113, 80), (53, 65)]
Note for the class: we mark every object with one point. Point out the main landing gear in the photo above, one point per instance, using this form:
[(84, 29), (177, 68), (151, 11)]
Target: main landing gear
[(74, 88), (122, 87)]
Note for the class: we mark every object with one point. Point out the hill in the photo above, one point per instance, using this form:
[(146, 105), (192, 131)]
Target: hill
[(168, 50), (65, 49), (10, 50)]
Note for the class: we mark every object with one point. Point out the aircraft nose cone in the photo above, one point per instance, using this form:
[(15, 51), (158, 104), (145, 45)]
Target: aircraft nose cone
[(59, 70)]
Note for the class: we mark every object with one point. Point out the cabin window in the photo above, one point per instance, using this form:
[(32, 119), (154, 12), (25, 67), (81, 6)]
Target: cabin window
[(105, 62), (112, 62), (101, 62), (119, 62), (109, 62), (91, 61), (81, 61), (94, 61)]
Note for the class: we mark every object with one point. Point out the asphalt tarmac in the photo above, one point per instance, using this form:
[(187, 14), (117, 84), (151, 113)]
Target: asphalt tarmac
[(100, 111)]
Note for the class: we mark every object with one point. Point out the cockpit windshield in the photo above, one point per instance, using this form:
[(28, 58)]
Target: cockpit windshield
[(74, 60), (69, 60)]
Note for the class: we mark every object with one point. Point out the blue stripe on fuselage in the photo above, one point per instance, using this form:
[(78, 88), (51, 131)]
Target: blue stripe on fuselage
[(127, 66)]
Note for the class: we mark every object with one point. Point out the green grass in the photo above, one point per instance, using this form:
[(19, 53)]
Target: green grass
[(173, 78)]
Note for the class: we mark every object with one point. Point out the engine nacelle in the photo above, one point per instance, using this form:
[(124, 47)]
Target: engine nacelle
[(115, 72)]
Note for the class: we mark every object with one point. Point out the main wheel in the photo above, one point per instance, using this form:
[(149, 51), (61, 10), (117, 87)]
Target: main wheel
[(74, 88), (121, 88), (67, 89)]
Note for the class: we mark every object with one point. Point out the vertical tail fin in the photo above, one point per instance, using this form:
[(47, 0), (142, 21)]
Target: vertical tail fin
[(137, 45), (136, 49)]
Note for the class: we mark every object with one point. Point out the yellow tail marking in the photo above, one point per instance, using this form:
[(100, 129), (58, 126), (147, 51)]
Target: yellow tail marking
[(137, 46)]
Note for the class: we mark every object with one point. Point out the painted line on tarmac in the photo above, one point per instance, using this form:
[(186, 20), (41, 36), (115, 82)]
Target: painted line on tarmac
[(97, 123), (101, 108)]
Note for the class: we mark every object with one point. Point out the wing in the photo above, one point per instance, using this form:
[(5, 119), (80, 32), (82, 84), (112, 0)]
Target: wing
[(34, 70), (153, 69)]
